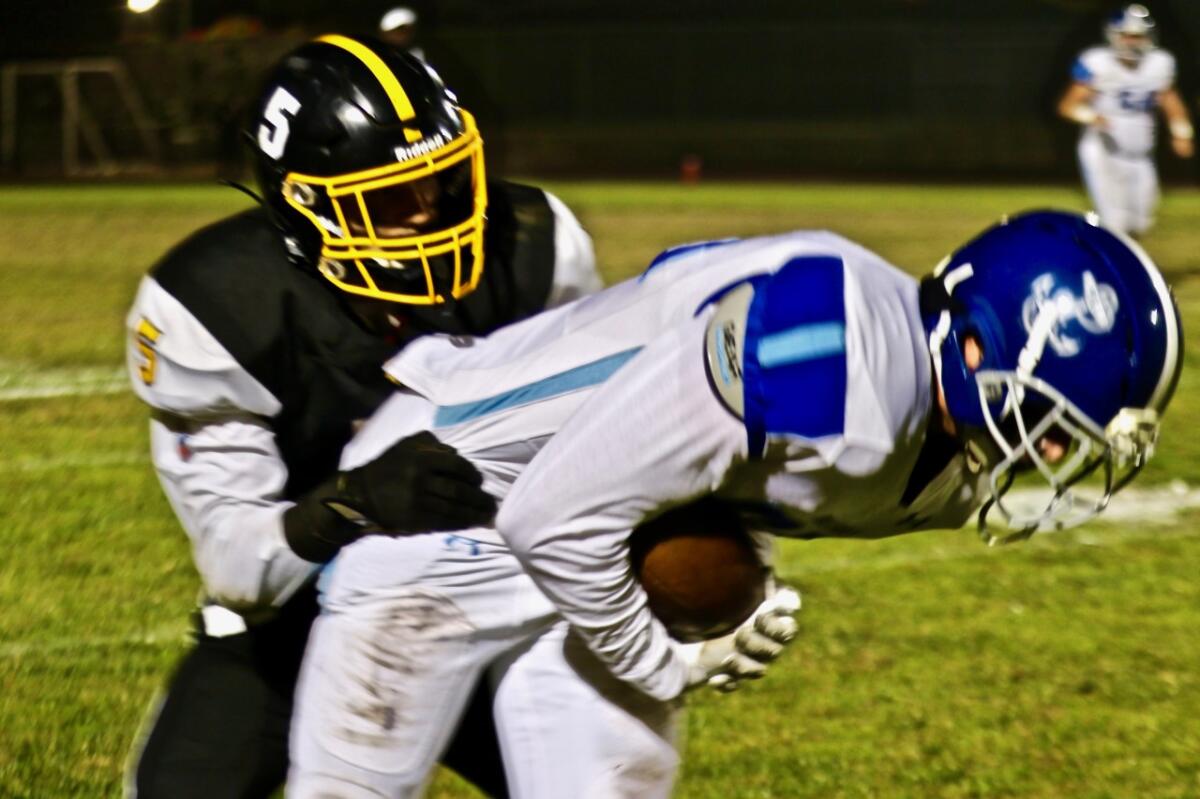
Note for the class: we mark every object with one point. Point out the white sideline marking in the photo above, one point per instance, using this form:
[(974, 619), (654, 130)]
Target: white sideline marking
[(1140, 506), (114, 460), (941, 554), (17, 383), (1160, 503), (163, 635)]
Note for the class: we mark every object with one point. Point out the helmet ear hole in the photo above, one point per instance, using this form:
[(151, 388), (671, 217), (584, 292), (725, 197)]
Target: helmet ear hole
[(334, 270), (973, 351), (301, 193)]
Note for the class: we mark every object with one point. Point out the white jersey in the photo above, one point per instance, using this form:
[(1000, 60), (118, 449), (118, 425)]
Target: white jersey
[(1126, 96), (789, 375), (256, 375)]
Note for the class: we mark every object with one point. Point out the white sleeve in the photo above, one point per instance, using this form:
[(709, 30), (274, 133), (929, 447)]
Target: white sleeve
[(225, 480), (575, 273), (214, 452), (1088, 66), (176, 365), (653, 436)]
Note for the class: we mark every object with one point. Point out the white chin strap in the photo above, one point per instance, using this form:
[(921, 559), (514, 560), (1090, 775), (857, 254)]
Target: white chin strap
[(941, 331)]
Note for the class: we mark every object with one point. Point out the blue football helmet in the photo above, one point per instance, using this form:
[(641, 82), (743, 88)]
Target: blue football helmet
[(1130, 31), (1081, 349)]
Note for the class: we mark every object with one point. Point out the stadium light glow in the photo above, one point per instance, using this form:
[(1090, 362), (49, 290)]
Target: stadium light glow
[(141, 6)]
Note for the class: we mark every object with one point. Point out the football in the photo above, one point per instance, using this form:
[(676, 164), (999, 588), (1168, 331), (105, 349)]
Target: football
[(699, 568)]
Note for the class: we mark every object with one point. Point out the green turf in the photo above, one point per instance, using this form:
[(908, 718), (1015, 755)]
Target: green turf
[(929, 666)]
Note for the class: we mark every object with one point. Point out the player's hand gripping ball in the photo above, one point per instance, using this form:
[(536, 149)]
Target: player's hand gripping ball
[(699, 568)]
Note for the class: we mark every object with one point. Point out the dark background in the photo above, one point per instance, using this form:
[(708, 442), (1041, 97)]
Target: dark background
[(928, 88)]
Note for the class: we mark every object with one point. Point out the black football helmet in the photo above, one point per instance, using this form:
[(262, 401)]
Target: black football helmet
[(372, 172)]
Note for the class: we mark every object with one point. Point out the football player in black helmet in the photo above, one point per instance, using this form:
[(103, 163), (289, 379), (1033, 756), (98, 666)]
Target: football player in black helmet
[(258, 344)]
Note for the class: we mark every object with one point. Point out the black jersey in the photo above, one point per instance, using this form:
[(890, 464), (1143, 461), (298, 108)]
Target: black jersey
[(292, 332), (258, 369)]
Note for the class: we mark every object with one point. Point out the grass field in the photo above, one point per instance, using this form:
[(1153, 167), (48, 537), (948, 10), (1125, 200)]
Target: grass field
[(929, 666)]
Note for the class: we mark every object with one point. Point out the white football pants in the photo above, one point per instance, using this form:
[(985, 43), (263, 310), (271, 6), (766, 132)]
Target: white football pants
[(404, 634), (1123, 188)]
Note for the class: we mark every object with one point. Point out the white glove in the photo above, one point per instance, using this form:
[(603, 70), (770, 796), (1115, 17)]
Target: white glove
[(744, 653)]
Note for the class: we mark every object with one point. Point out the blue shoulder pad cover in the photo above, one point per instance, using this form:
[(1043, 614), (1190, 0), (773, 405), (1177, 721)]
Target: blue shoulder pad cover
[(795, 356), (1080, 73)]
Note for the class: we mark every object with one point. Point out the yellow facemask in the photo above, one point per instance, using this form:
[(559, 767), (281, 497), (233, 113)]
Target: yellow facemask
[(409, 232)]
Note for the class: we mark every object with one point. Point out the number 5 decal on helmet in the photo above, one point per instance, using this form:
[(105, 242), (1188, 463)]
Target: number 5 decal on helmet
[(273, 133)]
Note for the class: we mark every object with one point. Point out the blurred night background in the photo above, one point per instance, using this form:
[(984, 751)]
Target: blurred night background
[(943, 89)]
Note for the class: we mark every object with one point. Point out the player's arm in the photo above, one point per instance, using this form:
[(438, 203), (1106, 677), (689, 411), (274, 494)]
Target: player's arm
[(1179, 123), (217, 458), (225, 479), (652, 436), (1075, 105), (214, 452)]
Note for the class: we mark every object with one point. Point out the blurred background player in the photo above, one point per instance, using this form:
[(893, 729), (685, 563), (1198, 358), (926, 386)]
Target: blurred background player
[(1114, 95), (398, 27), (802, 380), (258, 342)]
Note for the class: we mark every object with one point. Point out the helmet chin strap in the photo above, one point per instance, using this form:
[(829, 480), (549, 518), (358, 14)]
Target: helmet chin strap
[(941, 331), (937, 337)]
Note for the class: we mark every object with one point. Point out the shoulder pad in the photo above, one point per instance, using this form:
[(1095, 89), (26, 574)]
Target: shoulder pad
[(1097, 60), (1164, 66), (574, 257), (1081, 72), (681, 250), (176, 365), (795, 368), (725, 347)]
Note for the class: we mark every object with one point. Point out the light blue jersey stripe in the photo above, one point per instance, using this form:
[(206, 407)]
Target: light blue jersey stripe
[(803, 343), (589, 374)]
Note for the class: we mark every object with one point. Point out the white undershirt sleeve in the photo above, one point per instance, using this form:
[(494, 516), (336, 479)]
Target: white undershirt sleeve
[(225, 479), (652, 436)]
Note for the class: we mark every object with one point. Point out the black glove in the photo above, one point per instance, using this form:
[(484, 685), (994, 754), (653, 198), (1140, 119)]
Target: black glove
[(418, 485)]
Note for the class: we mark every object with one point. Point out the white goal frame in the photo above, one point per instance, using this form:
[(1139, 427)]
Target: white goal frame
[(78, 125)]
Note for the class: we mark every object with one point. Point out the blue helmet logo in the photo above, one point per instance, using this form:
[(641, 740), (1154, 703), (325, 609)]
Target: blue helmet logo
[(1094, 311)]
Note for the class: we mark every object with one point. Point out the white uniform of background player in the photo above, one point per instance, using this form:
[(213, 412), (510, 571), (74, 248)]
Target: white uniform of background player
[(1115, 94), (643, 385)]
